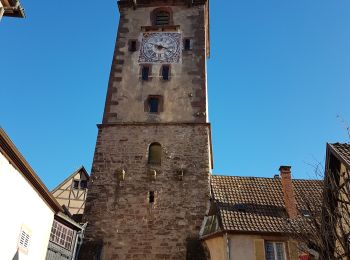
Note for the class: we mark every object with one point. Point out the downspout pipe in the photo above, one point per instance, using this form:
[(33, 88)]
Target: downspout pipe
[(227, 247), (79, 241)]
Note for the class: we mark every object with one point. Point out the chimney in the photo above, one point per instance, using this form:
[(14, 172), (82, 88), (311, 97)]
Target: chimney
[(288, 191)]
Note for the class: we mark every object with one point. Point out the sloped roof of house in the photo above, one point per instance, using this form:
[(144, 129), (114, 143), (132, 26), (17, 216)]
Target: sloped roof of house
[(256, 205), (80, 169), (342, 152)]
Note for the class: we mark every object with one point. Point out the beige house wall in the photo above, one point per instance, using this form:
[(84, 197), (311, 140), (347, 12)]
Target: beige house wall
[(217, 248), (247, 247), (73, 199)]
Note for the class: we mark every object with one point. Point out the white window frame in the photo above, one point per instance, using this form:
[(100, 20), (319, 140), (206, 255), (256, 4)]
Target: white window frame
[(62, 235), (274, 243)]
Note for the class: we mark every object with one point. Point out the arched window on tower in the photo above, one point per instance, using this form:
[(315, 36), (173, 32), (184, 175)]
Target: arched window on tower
[(161, 16), (155, 154)]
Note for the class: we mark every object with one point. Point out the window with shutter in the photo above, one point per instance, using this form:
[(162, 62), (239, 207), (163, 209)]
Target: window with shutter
[(162, 18), (24, 240)]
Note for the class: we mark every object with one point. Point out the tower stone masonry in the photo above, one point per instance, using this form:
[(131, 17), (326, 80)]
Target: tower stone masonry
[(150, 182)]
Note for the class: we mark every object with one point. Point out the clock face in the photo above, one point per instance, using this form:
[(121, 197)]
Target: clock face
[(160, 47)]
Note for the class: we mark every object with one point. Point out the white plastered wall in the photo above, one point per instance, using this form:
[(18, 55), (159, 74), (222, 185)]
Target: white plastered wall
[(21, 206)]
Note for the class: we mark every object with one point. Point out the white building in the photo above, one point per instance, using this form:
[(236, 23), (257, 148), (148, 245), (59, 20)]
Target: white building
[(27, 207)]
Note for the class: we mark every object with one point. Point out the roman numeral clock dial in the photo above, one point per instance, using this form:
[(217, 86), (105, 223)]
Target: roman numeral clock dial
[(160, 47)]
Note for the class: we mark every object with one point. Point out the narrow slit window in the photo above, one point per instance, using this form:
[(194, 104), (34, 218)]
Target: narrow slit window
[(187, 44), (151, 197), (153, 104), (155, 154), (162, 18), (132, 46), (145, 73), (165, 72)]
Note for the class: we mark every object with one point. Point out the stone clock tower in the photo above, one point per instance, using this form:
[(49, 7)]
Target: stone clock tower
[(150, 183)]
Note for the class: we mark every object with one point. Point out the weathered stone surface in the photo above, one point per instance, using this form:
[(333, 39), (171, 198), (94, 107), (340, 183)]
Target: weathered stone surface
[(123, 223), (187, 77), (119, 212)]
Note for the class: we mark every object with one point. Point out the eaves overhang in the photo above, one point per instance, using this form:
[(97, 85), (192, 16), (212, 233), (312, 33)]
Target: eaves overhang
[(331, 148), (12, 8)]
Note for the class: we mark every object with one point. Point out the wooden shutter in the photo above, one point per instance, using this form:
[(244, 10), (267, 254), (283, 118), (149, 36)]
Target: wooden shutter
[(293, 250), (259, 249)]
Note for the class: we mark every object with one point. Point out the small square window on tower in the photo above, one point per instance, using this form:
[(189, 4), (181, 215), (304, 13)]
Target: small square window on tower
[(187, 44), (165, 72), (145, 71), (153, 104)]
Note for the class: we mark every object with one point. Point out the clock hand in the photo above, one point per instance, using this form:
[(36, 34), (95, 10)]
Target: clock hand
[(158, 46)]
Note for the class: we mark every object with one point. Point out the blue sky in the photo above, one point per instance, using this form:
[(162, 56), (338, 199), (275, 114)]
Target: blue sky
[(279, 74)]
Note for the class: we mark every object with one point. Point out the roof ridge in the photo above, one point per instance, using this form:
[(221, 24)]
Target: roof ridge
[(237, 176), (262, 177)]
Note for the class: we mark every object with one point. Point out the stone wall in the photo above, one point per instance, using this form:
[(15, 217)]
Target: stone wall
[(121, 219), (184, 94)]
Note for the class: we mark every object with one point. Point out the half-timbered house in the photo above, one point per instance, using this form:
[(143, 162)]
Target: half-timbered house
[(72, 192)]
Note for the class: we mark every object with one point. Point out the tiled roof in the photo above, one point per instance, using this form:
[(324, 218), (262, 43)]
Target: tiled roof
[(343, 150), (251, 204)]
